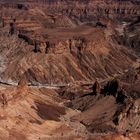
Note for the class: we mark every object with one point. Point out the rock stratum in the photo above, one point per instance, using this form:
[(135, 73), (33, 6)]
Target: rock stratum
[(70, 70)]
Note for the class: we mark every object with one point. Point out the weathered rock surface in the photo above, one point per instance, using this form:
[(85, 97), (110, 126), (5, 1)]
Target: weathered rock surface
[(69, 70)]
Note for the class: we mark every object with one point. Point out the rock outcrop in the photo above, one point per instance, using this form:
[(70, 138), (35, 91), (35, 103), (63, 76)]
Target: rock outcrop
[(69, 70), (123, 117)]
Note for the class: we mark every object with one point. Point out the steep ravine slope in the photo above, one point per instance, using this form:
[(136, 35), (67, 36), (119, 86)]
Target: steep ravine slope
[(98, 58), (33, 113)]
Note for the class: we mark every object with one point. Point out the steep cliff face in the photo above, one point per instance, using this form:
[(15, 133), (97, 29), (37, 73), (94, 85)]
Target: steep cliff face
[(77, 59), (129, 35), (75, 52), (81, 9)]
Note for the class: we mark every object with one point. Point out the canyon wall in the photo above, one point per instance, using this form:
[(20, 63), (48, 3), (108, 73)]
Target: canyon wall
[(81, 9)]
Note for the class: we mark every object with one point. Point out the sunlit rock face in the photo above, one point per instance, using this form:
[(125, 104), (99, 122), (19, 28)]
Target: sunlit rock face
[(76, 59)]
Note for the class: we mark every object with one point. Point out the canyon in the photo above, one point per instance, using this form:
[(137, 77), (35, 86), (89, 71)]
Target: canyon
[(69, 70)]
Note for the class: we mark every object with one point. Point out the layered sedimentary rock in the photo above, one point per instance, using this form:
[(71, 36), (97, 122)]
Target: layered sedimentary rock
[(69, 70), (129, 35), (74, 63), (82, 9)]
